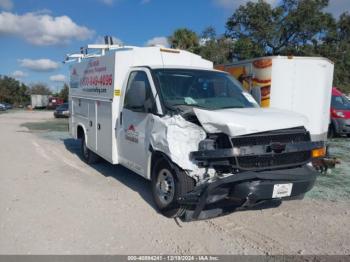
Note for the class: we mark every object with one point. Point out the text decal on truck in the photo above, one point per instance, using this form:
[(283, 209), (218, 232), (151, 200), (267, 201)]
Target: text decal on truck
[(95, 78)]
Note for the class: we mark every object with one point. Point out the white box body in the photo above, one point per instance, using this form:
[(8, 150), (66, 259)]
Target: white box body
[(298, 84)]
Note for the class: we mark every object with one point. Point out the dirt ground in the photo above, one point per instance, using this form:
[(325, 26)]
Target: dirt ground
[(51, 202)]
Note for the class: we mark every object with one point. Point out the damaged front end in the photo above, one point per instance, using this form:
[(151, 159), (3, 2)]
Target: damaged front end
[(248, 169)]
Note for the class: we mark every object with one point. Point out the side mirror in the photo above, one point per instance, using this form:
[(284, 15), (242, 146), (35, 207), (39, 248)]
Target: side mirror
[(136, 95)]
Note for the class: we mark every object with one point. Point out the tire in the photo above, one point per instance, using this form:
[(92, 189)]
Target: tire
[(88, 156), (332, 132), (167, 186)]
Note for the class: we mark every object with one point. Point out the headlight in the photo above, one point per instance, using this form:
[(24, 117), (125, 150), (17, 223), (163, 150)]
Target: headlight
[(207, 144)]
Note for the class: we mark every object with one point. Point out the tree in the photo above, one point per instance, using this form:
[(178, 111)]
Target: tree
[(213, 48), (40, 89), (64, 92), (12, 91), (285, 29), (337, 48), (185, 39), (209, 33)]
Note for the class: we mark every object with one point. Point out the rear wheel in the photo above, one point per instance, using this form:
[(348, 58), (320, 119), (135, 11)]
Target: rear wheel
[(167, 186), (89, 156)]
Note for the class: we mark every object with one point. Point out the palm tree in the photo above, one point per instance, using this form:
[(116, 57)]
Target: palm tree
[(185, 39)]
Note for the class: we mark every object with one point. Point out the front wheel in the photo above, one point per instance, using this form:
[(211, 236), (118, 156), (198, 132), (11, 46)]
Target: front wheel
[(89, 156), (167, 186)]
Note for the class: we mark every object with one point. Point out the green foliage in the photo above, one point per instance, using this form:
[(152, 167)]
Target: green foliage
[(337, 48), (285, 29), (184, 38), (40, 89), (64, 93), (216, 49), (12, 91)]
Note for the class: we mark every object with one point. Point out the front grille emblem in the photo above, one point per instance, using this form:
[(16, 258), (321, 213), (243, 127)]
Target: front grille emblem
[(276, 147)]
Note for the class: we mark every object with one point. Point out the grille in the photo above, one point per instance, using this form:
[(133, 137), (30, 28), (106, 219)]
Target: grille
[(266, 139), (273, 160), (269, 161)]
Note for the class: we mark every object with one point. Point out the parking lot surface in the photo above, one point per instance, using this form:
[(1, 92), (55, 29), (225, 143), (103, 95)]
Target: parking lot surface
[(51, 202)]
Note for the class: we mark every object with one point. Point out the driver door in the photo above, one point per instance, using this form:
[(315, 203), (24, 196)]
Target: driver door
[(132, 148)]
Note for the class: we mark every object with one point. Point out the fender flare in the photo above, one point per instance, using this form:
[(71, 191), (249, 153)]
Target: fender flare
[(154, 153)]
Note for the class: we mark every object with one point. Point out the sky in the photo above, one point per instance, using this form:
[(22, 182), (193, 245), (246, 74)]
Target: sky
[(35, 35)]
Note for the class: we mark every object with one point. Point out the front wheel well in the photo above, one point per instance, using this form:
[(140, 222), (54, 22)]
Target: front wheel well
[(158, 155), (80, 132)]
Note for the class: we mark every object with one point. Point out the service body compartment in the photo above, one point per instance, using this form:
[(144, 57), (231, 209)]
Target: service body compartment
[(104, 129)]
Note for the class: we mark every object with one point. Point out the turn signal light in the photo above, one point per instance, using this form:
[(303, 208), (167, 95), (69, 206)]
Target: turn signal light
[(319, 152)]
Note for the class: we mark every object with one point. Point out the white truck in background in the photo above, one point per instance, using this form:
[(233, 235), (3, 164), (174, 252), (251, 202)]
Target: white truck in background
[(39, 101), (299, 84), (205, 144)]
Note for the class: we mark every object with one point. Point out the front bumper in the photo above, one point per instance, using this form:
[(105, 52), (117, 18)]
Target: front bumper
[(62, 114), (244, 190)]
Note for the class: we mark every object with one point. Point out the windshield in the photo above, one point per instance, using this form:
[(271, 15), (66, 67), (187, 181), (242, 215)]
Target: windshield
[(340, 103), (201, 88)]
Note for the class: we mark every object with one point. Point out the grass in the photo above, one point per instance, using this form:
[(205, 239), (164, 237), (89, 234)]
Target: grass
[(58, 125), (336, 185)]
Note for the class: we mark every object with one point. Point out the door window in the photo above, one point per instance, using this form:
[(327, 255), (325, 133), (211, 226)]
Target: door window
[(139, 78)]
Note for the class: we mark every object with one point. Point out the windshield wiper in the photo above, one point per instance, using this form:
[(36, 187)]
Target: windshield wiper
[(191, 105), (172, 108), (228, 107)]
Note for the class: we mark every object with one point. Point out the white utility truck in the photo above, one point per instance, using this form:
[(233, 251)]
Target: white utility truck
[(205, 144)]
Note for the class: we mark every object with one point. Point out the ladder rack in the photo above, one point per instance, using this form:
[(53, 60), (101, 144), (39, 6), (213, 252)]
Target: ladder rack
[(84, 52), (100, 48)]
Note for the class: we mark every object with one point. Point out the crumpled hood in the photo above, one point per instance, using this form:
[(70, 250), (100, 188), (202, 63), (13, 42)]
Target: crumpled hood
[(244, 121)]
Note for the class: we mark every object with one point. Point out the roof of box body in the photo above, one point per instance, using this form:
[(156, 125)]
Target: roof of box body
[(147, 56), (277, 57)]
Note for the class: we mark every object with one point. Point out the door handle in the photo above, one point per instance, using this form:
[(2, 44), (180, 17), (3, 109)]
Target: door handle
[(98, 126), (90, 123), (121, 118)]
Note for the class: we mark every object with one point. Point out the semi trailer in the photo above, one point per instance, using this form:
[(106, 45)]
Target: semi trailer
[(204, 142)]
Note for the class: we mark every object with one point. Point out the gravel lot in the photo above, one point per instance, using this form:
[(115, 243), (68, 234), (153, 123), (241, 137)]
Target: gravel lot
[(51, 202)]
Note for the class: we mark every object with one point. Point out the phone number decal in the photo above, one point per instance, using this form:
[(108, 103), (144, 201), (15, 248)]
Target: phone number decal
[(103, 80)]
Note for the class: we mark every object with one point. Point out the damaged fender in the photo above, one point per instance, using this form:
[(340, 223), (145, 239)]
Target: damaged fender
[(177, 138)]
